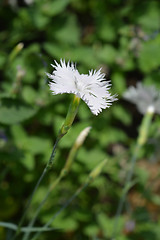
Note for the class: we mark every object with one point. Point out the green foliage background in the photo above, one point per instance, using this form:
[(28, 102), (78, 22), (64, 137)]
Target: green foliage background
[(122, 37)]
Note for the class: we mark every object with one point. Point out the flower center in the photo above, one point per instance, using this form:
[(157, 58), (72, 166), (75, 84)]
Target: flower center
[(82, 87), (79, 86)]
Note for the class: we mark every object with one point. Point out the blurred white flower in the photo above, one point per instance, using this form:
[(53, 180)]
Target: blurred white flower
[(92, 88), (146, 98)]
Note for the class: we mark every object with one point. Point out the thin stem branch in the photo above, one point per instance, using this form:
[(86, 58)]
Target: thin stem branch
[(73, 108), (94, 173), (26, 236), (46, 169), (141, 140), (126, 189), (79, 190)]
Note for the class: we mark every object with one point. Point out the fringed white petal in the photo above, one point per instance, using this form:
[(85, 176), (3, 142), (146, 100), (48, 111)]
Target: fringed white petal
[(92, 88)]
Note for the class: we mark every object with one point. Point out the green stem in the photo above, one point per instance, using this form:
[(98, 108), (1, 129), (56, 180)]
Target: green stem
[(125, 191), (79, 141), (23, 229), (94, 173), (27, 234), (73, 108), (63, 207), (141, 140), (46, 169)]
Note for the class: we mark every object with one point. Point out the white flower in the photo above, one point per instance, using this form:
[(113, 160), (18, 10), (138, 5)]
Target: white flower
[(92, 88), (146, 98)]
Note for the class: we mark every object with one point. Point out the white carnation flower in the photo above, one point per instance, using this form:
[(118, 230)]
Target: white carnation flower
[(146, 98), (92, 88)]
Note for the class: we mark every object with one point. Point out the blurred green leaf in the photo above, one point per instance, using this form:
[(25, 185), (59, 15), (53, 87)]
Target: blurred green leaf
[(107, 54), (106, 30), (119, 82), (37, 145), (149, 58), (149, 19), (122, 115), (28, 161), (107, 224), (69, 32), (13, 111), (52, 8), (62, 222), (91, 230), (29, 94), (92, 158)]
